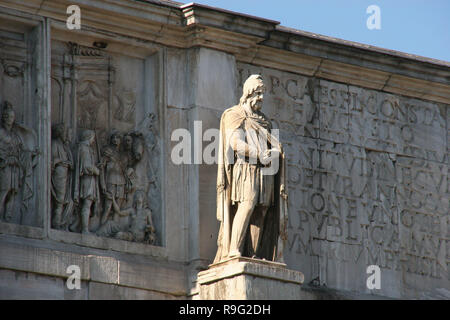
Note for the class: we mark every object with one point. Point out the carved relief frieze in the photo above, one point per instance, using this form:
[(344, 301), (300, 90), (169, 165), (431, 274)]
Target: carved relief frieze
[(111, 174), (19, 144), (18, 158)]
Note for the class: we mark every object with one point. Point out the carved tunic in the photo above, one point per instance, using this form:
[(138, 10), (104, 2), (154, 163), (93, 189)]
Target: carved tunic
[(247, 181), (115, 175), (10, 161), (61, 156), (88, 173)]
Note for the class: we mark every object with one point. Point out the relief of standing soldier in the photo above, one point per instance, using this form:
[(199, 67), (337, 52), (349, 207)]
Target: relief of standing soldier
[(61, 179), (115, 176), (87, 174), (18, 157)]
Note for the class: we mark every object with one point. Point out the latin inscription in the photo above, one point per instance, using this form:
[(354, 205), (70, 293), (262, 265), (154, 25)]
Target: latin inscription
[(368, 175)]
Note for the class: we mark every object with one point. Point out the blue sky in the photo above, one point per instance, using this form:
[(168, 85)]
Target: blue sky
[(420, 27)]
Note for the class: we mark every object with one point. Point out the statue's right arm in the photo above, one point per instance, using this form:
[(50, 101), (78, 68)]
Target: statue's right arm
[(241, 147)]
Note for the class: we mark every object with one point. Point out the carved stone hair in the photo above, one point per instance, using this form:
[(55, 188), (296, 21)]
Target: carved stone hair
[(87, 135), (114, 133), (253, 82), (58, 130), (7, 106), (140, 193)]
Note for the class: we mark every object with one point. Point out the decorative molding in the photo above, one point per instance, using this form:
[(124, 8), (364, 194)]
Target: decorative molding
[(258, 41)]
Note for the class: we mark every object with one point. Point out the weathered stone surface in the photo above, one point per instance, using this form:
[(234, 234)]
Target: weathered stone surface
[(366, 134), (16, 285), (370, 188), (249, 279), (101, 291)]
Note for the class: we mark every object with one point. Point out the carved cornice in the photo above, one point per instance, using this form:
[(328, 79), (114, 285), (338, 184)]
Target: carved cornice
[(257, 41)]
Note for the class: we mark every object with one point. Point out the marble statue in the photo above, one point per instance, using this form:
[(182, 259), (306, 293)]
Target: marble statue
[(251, 202)]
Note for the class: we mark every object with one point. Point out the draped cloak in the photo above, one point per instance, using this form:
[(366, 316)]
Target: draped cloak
[(24, 148), (274, 232), (61, 180)]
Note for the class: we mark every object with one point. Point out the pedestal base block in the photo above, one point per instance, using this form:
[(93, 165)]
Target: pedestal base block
[(243, 278)]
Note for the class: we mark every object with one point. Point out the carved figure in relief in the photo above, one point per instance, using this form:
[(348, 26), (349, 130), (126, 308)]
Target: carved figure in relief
[(140, 228), (86, 178), (251, 204), (18, 157), (115, 175), (130, 162), (140, 225), (61, 187)]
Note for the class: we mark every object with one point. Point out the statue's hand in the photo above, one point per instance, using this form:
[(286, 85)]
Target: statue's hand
[(269, 155), (275, 153), (265, 157)]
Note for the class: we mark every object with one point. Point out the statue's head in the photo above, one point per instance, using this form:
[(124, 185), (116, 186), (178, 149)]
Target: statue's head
[(8, 114), (128, 141), (253, 92), (139, 199), (87, 135), (59, 131), (115, 138)]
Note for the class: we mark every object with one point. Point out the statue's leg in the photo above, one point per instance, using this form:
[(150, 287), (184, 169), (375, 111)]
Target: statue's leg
[(59, 185), (57, 213), (3, 195), (240, 226), (106, 211), (257, 228), (10, 199), (85, 212)]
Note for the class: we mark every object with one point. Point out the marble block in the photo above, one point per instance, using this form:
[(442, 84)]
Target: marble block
[(243, 278)]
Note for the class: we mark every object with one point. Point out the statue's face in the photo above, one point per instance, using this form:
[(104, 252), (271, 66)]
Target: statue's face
[(115, 140), (128, 142), (91, 140), (61, 132), (257, 98), (8, 117)]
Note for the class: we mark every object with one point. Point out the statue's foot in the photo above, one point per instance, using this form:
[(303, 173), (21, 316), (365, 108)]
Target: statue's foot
[(86, 232), (234, 254)]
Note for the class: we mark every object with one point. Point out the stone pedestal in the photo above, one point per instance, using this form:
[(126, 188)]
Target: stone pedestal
[(243, 278)]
